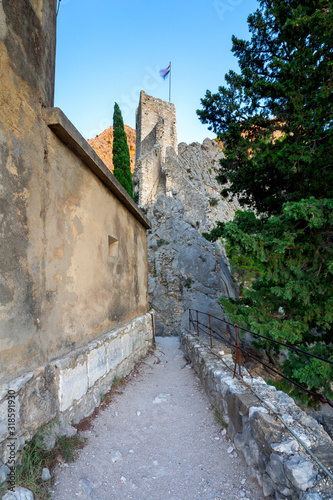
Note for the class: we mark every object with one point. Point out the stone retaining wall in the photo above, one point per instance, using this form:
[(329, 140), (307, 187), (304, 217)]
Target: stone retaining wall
[(280, 464), (69, 389)]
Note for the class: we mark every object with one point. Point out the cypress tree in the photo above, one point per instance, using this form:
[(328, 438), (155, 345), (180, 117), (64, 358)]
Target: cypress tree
[(276, 118), (121, 155)]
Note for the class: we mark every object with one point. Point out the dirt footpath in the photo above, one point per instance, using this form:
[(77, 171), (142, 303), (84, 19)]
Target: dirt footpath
[(157, 440)]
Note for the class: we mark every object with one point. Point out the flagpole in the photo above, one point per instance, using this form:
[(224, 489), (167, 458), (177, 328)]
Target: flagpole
[(170, 84)]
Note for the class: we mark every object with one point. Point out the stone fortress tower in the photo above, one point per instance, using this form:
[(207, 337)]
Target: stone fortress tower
[(156, 132), (187, 172)]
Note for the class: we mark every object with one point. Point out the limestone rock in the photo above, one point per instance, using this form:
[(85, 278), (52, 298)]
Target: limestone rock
[(49, 442), (102, 145), (4, 471), (186, 271), (300, 472), (86, 486), (46, 476), (117, 456), (194, 178), (19, 494)]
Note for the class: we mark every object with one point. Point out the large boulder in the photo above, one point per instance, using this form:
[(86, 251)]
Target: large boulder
[(186, 271)]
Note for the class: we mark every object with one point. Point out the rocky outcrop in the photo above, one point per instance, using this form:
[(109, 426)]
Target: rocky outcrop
[(185, 270), (102, 145), (192, 174)]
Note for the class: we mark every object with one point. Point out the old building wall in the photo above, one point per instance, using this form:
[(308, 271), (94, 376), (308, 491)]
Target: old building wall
[(73, 262), (28, 37), (73, 251)]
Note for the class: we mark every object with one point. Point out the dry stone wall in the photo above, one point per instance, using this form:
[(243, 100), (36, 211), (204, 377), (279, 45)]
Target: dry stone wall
[(274, 457)]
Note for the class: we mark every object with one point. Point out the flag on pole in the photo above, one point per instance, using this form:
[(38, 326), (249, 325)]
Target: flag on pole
[(164, 72)]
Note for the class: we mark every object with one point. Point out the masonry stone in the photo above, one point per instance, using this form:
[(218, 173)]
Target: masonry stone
[(96, 365), (289, 446), (283, 468), (267, 485), (73, 384), (300, 472)]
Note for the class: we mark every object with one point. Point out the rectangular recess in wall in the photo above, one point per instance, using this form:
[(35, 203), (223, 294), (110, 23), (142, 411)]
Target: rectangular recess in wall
[(113, 246)]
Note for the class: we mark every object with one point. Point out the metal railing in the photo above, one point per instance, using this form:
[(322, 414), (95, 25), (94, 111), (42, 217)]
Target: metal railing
[(208, 330)]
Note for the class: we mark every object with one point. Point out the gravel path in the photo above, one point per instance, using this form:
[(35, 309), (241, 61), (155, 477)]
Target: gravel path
[(157, 440)]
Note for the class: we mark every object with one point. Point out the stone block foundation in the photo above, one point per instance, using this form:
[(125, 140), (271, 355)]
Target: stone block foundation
[(70, 388), (274, 457)]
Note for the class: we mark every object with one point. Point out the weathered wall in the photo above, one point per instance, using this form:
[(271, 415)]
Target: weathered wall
[(156, 130), (63, 283), (274, 457), (154, 112), (69, 388), (28, 37)]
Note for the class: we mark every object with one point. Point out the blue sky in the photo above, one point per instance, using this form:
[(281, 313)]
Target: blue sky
[(109, 50)]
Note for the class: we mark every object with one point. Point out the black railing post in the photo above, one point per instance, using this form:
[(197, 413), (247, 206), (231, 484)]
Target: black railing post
[(237, 360)]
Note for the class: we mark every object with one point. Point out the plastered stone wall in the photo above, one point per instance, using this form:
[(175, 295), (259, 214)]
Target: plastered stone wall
[(69, 388), (73, 257), (274, 457), (73, 251)]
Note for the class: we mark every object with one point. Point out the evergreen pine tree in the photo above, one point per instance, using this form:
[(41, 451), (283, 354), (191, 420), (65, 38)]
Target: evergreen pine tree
[(276, 119), (121, 155)]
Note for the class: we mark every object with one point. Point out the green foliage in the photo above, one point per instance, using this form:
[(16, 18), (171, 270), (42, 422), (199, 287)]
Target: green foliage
[(213, 202), (161, 242), (136, 198), (121, 155), (219, 419), (292, 299), (275, 117), (215, 233), (116, 381), (34, 458), (188, 282)]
